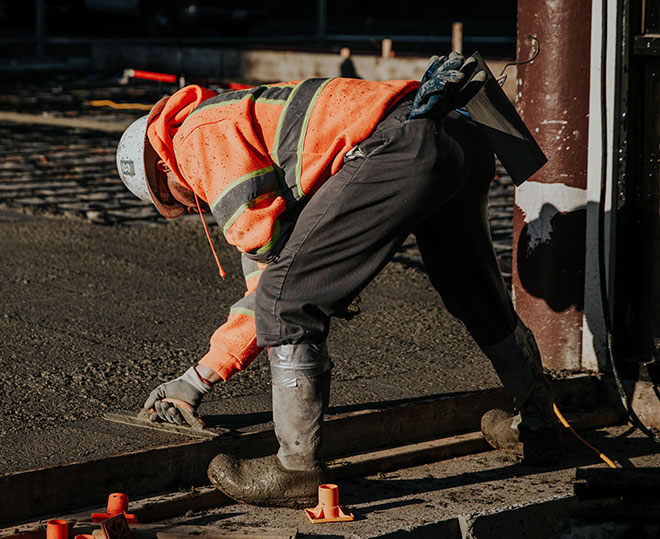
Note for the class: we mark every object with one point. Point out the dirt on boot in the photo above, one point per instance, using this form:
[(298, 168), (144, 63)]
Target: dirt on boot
[(504, 431), (264, 481)]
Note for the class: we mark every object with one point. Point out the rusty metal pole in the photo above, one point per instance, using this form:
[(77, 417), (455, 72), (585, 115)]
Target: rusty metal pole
[(550, 208), (457, 37)]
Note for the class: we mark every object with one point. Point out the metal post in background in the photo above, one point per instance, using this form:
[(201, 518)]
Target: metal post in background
[(550, 208), (386, 48), (457, 37)]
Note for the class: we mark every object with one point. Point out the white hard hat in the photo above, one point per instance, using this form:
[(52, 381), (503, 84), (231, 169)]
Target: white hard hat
[(137, 166), (130, 159)]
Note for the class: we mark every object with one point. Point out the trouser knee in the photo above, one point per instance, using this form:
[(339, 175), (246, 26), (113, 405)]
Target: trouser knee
[(291, 362)]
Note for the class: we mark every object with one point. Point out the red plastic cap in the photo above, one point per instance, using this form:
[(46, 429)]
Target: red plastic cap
[(328, 509), (57, 529), (117, 503)]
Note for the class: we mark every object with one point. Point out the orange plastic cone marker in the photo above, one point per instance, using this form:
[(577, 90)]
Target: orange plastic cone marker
[(328, 509), (117, 503), (57, 529)]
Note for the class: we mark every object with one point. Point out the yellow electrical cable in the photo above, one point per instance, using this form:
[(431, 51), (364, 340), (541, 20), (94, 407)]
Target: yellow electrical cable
[(108, 103), (566, 424)]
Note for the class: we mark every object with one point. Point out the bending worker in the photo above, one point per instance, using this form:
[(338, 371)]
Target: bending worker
[(318, 183)]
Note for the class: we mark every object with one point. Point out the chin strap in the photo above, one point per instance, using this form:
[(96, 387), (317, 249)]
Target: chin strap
[(208, 236)]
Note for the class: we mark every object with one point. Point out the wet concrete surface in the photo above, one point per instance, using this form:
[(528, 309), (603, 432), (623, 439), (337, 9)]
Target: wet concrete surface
[(96, 316), (102, 300)]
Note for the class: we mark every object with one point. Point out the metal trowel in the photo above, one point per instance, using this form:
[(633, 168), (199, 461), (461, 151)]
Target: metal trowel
[(148, 419)]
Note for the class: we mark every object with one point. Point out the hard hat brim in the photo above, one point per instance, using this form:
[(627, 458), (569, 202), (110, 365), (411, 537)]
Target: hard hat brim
[(158, 189)]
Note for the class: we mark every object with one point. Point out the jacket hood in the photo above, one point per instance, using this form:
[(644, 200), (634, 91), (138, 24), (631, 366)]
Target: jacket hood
[(166, 119)]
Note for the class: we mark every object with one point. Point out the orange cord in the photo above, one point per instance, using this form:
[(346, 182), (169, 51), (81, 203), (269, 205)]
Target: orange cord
[(121, 106), (208, 236), (566, 424)]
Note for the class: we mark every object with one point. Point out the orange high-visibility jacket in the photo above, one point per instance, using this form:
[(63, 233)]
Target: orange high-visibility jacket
[(254, 156)]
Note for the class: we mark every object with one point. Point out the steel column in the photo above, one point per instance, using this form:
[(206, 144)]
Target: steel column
[(550, 208)]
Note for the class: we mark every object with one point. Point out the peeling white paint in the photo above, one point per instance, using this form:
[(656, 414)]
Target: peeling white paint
[(544, 122), (540, 202)]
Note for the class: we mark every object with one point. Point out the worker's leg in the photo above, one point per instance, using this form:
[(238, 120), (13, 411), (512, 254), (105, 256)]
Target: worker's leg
[(300, 391), (457, 250), (353, 225), (458, 253)]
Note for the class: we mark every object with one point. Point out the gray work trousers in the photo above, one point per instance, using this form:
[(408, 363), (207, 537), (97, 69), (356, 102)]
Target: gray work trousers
[(421, 176)]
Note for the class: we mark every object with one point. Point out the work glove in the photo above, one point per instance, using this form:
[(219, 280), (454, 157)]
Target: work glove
[(177, 401), (446, 85)]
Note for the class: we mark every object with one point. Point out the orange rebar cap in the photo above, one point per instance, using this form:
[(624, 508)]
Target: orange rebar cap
[(57, 529), (117, 503), (328, 509)]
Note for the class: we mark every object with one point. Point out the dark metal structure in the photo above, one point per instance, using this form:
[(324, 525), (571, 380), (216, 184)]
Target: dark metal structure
[(637, 299)]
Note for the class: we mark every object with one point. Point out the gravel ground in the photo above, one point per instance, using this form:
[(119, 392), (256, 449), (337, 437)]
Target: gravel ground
[(103, 299)]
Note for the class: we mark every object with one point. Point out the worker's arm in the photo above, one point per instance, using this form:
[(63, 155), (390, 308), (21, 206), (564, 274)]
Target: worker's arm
[(234, 344), (233, 347)]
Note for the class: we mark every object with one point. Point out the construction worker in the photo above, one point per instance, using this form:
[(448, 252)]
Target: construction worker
[(318, 183)]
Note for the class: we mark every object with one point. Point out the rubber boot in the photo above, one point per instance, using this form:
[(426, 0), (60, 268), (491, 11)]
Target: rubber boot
[(292, 477), (534, 433)]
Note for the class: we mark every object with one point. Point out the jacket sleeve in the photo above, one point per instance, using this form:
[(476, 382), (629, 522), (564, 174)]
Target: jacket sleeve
[(234, 344)]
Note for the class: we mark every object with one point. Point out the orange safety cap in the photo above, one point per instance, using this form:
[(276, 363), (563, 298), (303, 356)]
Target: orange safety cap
[(117, 503), (328, 509), (57, 529)]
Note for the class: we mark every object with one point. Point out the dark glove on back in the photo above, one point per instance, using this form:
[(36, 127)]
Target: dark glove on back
[(445, 87)]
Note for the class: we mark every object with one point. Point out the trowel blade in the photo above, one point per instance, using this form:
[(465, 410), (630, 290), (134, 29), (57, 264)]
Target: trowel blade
[(142, 420)]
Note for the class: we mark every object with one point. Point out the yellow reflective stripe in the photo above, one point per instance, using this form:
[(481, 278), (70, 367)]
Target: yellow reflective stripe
[(303, 133), (267, 246), (241, 310), (250, 97), (238, 181), (245, 206), (253, 275)]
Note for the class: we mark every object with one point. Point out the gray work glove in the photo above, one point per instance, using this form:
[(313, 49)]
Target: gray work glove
[(177, 401), (445, 86)]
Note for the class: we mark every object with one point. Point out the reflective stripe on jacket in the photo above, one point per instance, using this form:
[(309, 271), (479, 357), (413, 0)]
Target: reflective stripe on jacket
[(255, 156)]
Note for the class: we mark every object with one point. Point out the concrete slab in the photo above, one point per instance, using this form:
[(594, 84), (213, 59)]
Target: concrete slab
[(480, 496)]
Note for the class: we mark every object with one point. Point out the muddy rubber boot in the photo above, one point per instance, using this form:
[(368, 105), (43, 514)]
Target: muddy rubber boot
[(534, 433), (292, 477)]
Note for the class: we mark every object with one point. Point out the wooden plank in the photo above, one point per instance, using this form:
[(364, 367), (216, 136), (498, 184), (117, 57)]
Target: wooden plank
[(406, 456), (61, 489), (178, 503), (81, 123), (442, 415)]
